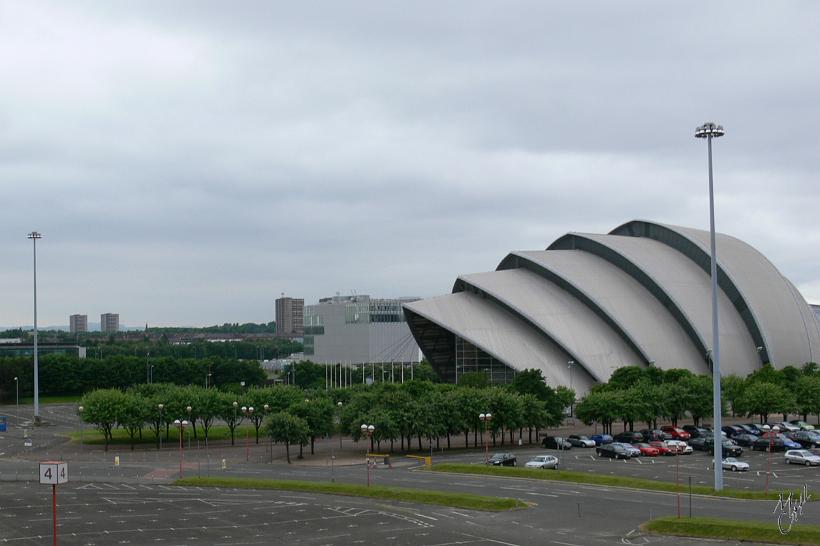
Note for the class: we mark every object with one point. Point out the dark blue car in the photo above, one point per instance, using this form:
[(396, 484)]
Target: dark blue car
[(601, 439)]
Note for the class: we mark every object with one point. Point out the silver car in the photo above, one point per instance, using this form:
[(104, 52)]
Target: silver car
[(543, 461), (631, 450), (802, 456), (730, 463)]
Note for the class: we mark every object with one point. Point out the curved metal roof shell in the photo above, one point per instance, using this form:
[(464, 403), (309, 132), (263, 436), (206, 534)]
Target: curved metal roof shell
[(639, 294), (788, 332), (500, 334), (624, 300), (567, 322)]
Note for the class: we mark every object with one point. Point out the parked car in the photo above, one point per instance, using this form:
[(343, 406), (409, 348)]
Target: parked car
[(753, 428), (662, 448), (698, 443), (612, 450), (745, 439), (682, 447), (732, 430), (601, 439), (802, 456), (580, 441), (802, 424), (629, 437), (677, 433), (543, 461), (631, 450), (806, 438), (696, 432), (647, 450), (779, 436), (730, 463), (766, 444), (555, 442), (502, 459), (654, 434), (788, 427), (729, 448)]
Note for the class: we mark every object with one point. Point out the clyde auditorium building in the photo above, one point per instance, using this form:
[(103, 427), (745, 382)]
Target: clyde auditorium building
[(591, 303)]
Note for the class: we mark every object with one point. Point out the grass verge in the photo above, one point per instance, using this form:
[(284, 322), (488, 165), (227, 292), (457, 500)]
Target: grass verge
[(405, 494), (601, 479), (728, 529), (92, 436)]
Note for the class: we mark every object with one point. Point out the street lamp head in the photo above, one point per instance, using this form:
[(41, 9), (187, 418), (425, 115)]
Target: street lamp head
[(188, 409), (364, 428), (776, 428), (15, 378), (339, 403), (160, 406), (177, 422), (185, 423), (481, 416), (766, 427), (571, 363), (244, 409), (489, 417), (266, 407), (709, 129), (80, 409), (250, 409), (370, 429), (35, 235), (235, 404)]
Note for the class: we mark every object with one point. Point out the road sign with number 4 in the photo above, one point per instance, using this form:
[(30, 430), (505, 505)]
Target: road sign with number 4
[(53, 472)]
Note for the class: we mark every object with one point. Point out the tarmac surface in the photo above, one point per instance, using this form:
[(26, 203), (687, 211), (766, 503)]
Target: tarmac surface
[(134, 503)]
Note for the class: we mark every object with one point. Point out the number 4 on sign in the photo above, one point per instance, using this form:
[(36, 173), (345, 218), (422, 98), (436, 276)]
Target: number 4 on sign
[(53, 473)]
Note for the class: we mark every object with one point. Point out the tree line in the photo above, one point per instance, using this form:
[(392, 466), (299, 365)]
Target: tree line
[(403, 414), (645, 395), (65, 374)]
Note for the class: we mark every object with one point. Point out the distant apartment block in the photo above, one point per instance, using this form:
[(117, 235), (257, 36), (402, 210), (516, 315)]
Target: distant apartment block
[(290, 317), (109, 322), (78, 324)]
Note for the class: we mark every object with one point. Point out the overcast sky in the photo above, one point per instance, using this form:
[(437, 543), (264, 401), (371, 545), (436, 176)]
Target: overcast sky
[(187, 162)]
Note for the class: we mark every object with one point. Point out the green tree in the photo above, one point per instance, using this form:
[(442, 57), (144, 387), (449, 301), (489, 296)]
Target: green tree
[(288, 429), (731, 388), (531, 381), (102, 408), (763, 398), (807, 396), (474, 379)]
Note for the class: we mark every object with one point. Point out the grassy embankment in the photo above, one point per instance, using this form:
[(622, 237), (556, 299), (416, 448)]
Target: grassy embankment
[(726, 529), (404, 494), (92, 436), (601, 479)]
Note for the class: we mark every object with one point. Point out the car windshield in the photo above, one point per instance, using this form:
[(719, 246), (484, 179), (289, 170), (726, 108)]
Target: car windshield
[(540, 459), (730, 460)]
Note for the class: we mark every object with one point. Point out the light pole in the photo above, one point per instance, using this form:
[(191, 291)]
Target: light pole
[(235, 405), (17, 402), (152, 374), (82, 428), (270, 436), (247, 412), (160, 407), (571, 366), (485, 419), (189, 409), (709, 131), (772, 432), (181, 426), (208, 380), (368, 429), (339, 405), (34, 236), (147, 369)]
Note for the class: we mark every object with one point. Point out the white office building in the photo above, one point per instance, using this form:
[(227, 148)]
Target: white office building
[(357, 330)]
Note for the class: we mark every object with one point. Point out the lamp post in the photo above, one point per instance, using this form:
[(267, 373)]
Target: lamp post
[(247, 412), (485, 419), (17, 402), (34, 236), (266, 407), (181, 426), (709, 131), (368, 429), (571, 366), (772, 432), (208, 380), (235, 405), (82, 428), (339, 405), (160, 407), (151, 375), (147, 369), (188, 409)]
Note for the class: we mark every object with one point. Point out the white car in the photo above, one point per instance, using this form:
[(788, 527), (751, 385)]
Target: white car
[(802, 456), (680, 446), (543, 461), (788, 427), (730, 463)]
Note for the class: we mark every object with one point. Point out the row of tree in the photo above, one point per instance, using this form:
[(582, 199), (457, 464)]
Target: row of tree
[(415, 410), (64, 374), (645, 395)]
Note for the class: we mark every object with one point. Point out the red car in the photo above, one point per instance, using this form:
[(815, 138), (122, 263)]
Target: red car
[(662, 448), (647, 450), (676, 432)]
